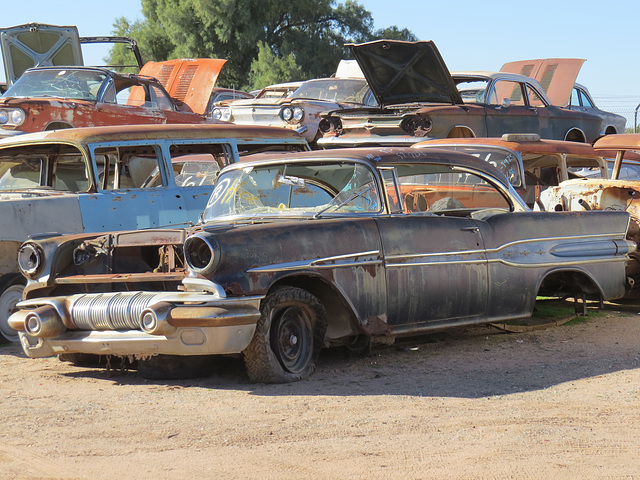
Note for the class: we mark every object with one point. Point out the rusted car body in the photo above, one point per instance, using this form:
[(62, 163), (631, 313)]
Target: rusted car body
[(317, 249), (299, 110), (51, 98), (620, 192), (557, 76), (419, 99), (110, 178), (531, 164)]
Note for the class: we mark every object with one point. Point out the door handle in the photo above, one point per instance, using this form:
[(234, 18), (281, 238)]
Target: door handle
[(470, 229)]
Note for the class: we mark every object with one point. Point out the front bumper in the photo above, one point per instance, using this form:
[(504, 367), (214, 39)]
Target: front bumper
[(10, 133), (137, 323)]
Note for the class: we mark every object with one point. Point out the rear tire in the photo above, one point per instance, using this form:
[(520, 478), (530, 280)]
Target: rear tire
[(288, 338)]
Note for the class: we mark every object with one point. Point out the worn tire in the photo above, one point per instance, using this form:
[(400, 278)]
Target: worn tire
[(288, 338), (9, 297)]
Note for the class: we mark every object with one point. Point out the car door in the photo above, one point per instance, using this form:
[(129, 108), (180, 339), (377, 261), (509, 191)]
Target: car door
[(436, 268), (123, 200), (509, 110)]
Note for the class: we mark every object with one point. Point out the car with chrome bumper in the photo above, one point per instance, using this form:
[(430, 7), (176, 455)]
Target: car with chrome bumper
[(316, 249), (112, 178)]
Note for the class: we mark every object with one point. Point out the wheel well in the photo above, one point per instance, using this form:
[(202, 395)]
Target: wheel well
[(610, 130), (341, 320), (58, 126), (11, 279), (575, 135), (460, 131), (569, 283)]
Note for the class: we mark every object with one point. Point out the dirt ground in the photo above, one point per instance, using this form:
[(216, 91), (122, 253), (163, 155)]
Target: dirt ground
[(558, 403)]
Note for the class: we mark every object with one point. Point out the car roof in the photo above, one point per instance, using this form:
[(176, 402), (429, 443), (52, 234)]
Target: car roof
[(621, 141), (541, 146), (379, 156), (86, 135)]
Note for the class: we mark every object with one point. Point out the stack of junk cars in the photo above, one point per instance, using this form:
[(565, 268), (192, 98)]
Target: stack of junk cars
[(181, 223)]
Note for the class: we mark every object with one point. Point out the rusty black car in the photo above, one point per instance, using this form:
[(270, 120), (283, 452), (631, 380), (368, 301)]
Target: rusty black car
[(317, 249)]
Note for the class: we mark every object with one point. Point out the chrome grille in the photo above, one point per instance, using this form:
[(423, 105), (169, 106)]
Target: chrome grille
[(110, 311)]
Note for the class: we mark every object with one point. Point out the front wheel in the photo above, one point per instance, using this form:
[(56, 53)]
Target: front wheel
[(288, 337), (8, 300)]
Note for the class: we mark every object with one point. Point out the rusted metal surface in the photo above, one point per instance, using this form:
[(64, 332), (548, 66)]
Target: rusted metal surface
[(367, 260), (188, 80), (83, 199), (626, 141), (421, 100)]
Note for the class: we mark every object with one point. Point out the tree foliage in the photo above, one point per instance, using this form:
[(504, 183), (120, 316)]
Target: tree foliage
[(264, 41)]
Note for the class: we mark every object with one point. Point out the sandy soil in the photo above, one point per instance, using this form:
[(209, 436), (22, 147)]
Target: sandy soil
[(559, 403)]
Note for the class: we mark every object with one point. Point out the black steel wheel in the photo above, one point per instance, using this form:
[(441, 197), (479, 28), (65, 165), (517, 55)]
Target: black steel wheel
[(288, 337)]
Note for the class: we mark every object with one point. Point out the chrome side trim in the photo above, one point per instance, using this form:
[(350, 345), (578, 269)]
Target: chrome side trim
[(339, 261)]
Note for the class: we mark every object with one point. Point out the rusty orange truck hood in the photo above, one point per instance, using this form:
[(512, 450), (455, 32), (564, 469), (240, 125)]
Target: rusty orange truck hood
[(188, 80)]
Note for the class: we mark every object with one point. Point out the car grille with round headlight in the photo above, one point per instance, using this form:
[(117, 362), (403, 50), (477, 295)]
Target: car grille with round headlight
[(13, 117)]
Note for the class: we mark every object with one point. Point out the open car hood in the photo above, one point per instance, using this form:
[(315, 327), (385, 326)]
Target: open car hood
[(405, 72), (556, 75), (34, 44), (189, 80)]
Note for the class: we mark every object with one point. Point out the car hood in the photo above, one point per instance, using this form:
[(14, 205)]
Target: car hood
[(556, 75), (405, 72), (34, 45), (188, 80)]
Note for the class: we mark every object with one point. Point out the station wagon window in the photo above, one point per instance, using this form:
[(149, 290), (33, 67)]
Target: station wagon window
[(427, 189), (295, 190), (194, 164), (58, 167), (126, 167)]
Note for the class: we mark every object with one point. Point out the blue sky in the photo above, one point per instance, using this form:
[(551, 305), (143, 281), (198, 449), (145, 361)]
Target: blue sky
[(470, 35)]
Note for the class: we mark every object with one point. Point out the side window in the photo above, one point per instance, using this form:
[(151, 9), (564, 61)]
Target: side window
[(584, 100), (575, 98), (195, 170), (110, 93), (534, 99), (507, 89), (446, 192), (159, 99), (126, 167), (70, 173)]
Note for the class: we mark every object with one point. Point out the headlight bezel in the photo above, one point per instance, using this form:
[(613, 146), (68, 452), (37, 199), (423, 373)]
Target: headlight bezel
[(201, 253), (30, 260), (221, 113), (12, 117)]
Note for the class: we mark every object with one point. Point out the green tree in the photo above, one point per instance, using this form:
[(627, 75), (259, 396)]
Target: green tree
[(297, 39)]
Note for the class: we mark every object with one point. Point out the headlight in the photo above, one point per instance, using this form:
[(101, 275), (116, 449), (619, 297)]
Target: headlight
[(418, 126), (12, 116), (17, 117), (286, 113), (298, 114), (330, 124), (201, 254), (30, 260), (222, 113)]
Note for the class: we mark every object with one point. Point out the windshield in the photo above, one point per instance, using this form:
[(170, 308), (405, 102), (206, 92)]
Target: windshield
[(334, 89), (295, 190), (63, 83)]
